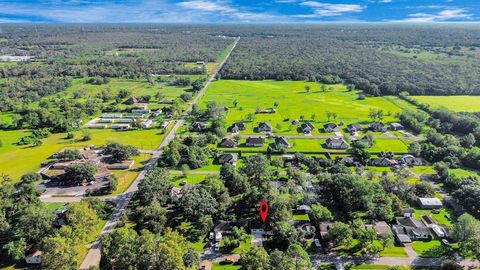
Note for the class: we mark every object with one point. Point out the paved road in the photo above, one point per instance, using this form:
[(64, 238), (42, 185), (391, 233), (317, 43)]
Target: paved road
[(93, 256)]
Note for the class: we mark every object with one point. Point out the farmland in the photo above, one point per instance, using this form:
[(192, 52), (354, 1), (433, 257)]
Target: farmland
[(455, 103), (294, 102)]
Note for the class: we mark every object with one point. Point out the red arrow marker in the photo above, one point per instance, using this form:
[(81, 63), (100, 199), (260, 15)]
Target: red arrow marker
[(263, 210)]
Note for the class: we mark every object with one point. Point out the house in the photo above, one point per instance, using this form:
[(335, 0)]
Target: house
[(222, 228), (307, 127), (146, 123), (34, 258), (282, 142), (231, 158), (166, 101), (354, 128), (331, 127), (383, 162), (396, 126), (238, 126), (410, 160), (381, 228), (365, 140), (134, 115), (97, 126), (305, 209), (378, 127), (120, 126), (198, 126), (255, 141), (175, 193), (408, 212), (125, 120), (429, 203), (336, 143), (346, 160), (228, 143), (408, 229), (112, 115), (131, 101), (164, 125), (264, 127), (104, 120), (157, 113), (144, 111), (324, 227), (124, 165)]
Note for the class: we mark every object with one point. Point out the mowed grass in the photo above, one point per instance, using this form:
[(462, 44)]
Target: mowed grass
[(17, 160), (294, 102), (453, 103), (394, 252)]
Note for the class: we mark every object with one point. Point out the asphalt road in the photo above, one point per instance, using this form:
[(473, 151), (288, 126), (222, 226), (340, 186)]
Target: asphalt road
[(122, 200)]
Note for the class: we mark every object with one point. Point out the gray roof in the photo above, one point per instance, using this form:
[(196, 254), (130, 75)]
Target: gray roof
[(255, 140)]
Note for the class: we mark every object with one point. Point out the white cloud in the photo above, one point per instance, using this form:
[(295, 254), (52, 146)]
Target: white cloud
[(322, 9), (444, 15), (206, 6), (224, 9)]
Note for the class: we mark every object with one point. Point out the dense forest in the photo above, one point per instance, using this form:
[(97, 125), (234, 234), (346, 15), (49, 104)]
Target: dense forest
[(379, 59)]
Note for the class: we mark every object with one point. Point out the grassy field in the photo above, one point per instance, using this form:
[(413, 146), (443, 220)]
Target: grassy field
[(218, 266), (453, 103), (17, 160), (294, 102), (126, 177), (192, 179), (430, 249), (394, 252)]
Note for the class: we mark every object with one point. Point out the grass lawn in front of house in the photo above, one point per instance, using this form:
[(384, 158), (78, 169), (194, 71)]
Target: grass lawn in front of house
[(430, 249)]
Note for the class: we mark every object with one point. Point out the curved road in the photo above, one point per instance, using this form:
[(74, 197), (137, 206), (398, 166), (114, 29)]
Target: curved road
[(122, 200)]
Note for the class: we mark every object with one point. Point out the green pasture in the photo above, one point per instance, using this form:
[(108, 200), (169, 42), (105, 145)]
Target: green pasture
[(453, 103), (17, 160), (293, 103)]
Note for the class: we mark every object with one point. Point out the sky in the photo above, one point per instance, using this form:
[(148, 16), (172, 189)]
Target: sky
[(238, 11)]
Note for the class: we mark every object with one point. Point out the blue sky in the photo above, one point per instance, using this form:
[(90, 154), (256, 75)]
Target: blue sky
[(231, 11)]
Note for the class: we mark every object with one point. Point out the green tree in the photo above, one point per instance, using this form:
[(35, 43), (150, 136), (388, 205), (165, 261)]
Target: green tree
[(121, 152), (16, 249), (82, 219), (256, 258), (81, 172), (152, 217), (57, 253), (321, 213), (155, 186), (299, 257), (340, 234), (466, 231)]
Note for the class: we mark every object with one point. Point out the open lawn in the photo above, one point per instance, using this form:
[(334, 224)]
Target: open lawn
[(52, 207), (389, 145), (453, 103), (394, 252), (126, 177), (192, 179), (221, 266), (293, 103), (423, 170), (430, 249), (462, 173), (17, 160)]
